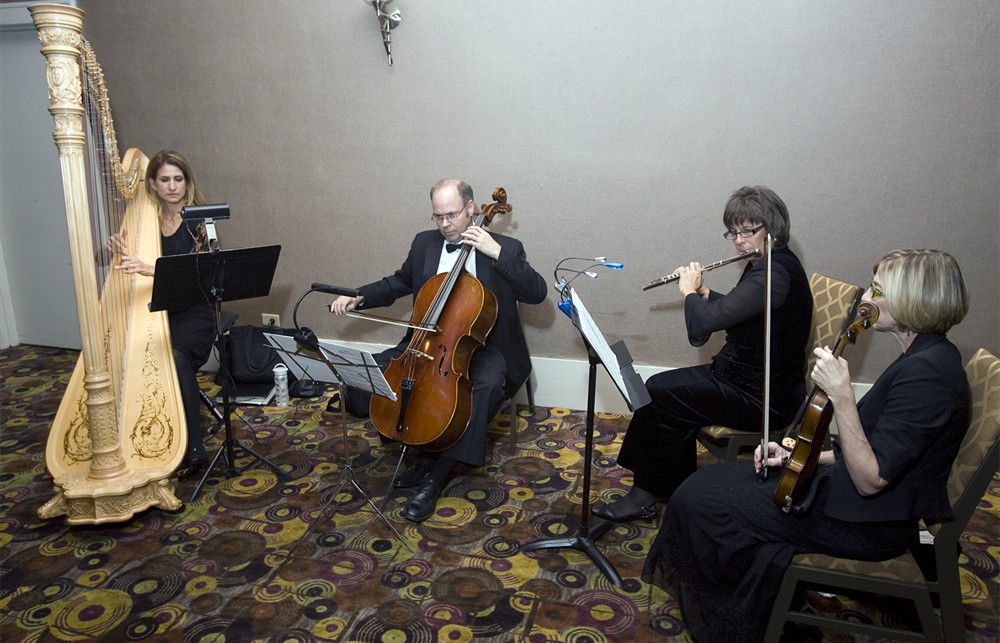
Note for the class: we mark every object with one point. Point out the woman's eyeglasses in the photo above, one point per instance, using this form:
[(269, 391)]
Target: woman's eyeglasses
[(745, 233)]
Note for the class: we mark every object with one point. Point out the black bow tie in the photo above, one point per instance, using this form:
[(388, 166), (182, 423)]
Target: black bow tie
[(452, 247)]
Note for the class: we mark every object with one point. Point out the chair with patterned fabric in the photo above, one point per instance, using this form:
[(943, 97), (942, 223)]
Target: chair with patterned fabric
[(832, 299), (930, 567)]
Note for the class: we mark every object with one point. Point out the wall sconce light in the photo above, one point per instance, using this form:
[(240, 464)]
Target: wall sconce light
[(387, 21)]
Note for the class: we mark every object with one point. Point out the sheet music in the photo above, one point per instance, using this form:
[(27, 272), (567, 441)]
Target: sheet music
[(355, 367), (364, 372), (593, 335)]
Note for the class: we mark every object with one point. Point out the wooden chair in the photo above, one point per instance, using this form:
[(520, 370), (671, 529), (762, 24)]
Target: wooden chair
[(929, 568), (512, 409), (511, 405), (831, 301)]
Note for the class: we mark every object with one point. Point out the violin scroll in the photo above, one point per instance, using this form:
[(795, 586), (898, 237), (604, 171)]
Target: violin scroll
[(867, 316)]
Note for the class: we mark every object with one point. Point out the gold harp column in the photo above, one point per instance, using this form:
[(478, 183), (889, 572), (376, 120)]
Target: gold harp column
[(60, 30)]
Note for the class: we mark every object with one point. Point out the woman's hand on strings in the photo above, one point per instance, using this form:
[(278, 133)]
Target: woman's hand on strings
[(116, 244), (831, 374)]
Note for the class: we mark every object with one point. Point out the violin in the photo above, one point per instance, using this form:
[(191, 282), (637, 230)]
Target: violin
[(812, 426), (452, 315)]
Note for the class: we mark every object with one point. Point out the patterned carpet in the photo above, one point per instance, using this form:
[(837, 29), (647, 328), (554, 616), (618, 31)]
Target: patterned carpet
[(256, 557)]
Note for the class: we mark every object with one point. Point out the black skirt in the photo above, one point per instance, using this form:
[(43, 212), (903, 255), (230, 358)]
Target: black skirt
[(723, 548)]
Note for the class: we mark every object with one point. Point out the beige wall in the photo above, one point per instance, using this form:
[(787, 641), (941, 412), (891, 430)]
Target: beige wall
[(617, 128)]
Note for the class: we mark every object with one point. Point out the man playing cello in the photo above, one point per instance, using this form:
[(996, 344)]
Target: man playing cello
[(498, 368)]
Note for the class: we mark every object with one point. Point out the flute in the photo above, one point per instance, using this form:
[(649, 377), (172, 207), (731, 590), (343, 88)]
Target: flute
[(712, 266)]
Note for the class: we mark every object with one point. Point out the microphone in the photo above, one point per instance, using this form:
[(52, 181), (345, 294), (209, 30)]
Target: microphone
[(336, 290)]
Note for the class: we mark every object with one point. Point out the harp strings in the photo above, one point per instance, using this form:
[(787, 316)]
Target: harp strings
[(107, 216)]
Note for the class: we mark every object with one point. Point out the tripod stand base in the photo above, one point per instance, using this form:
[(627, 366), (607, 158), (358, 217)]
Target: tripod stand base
[(227, 451), (349, 478), (585, 543)]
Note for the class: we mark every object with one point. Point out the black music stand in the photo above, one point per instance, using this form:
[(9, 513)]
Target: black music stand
[(618, 363), (342, 366), (181, 281)]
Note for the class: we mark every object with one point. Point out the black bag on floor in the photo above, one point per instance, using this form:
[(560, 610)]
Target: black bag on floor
[(251, 357)]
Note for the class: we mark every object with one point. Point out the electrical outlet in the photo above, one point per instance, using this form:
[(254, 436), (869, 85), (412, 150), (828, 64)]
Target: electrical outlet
[(270, 321)]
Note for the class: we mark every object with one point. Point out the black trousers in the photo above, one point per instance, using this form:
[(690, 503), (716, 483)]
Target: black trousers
[(192, 332), (488, 373), (660, 445)]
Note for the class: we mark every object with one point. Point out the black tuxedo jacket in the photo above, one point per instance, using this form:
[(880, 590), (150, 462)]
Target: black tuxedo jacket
[(510, 278)]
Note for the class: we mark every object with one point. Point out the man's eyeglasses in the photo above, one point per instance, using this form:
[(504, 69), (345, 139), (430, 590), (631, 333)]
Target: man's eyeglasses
[(876, 290), (447, 216), (745, 233)]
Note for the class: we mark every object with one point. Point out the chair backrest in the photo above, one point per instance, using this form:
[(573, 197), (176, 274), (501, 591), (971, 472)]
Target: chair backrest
[(975, 463), (832, 299)]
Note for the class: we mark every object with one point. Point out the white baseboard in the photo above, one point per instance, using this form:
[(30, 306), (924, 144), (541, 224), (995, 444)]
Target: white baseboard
[(560, 382)]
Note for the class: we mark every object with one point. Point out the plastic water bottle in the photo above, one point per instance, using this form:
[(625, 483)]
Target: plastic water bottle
[(281, 385)]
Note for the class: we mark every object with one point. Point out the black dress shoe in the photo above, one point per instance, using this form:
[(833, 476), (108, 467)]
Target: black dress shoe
[(642, 513), (193, 468), (422, 504)]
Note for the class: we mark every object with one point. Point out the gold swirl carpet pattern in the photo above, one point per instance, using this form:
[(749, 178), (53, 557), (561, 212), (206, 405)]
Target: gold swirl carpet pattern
[(258, 557)]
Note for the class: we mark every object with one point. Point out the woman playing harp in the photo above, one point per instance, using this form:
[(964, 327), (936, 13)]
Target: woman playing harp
[(171, 185)]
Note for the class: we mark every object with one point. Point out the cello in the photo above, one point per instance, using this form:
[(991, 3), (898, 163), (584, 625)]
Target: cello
[(812, 427), (453, 313)]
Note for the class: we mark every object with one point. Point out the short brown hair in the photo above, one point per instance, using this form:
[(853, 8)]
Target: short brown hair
[(758, 205)]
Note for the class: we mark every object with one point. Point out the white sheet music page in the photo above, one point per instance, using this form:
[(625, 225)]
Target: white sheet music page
[(363, 372), (356, 367), (595, 338)]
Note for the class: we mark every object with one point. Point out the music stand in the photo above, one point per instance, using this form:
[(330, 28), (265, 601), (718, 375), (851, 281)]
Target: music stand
[(181, 281), (343, 367), (618, 363)]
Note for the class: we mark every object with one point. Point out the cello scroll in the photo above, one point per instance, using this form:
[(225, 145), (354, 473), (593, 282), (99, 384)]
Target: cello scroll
[(499, 206)]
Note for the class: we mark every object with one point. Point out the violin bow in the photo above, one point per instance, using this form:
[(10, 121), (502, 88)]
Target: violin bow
[(767, 363)]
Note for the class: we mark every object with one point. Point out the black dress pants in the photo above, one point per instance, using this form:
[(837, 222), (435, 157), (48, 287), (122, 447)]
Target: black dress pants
[(660, 445)]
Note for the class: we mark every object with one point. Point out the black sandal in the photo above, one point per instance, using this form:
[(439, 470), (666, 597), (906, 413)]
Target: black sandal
[(604, 510)]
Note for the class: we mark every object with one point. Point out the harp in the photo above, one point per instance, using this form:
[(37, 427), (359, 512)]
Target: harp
[(120, 430)]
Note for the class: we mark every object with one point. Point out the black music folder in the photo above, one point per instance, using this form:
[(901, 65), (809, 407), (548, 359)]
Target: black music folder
[(181, 281)]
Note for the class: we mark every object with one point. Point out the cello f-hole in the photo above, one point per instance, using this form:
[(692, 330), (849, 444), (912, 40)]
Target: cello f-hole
[(444, 354)]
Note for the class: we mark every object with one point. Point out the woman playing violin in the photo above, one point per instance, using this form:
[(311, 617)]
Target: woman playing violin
[(660, 444), (724, 544)]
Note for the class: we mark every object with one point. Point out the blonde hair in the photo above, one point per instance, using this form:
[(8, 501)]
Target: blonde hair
[(924, 289)]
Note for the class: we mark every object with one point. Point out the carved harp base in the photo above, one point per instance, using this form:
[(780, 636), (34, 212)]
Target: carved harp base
[(113, 505)]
